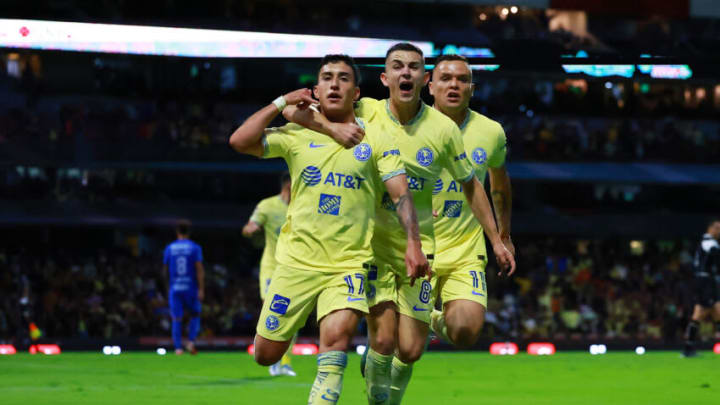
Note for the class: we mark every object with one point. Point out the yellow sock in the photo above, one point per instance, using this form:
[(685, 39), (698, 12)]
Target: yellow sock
[(328, 382), (438, 326), (377, 377), (285, 361), (400, 374)]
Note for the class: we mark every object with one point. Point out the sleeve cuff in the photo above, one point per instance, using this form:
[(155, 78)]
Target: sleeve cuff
[(265, 147), (469, 177), (390, 175)]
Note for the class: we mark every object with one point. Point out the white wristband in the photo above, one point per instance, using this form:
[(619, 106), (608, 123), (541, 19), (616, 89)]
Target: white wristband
[(280, 103)]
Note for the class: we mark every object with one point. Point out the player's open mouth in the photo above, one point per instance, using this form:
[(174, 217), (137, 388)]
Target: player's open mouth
[(334, 96), (406, 86), (453, 96)]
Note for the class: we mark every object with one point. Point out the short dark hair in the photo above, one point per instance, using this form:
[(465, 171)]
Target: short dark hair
[(404, 46), (712, 222), (450, 57), (183, 227), (284, 178), (346, 59)]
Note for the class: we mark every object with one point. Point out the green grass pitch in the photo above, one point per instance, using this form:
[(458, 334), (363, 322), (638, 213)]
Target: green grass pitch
[(439, 378)]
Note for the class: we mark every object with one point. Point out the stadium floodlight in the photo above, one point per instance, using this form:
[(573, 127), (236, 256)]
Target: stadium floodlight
[(7, 349), (161, 351), (640, 350), (107, 350), (360, 349), (116, 350), (189, 42)]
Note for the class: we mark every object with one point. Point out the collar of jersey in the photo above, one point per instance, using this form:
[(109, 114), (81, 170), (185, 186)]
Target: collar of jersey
[(412, 120), (466, 120), (360, 122)]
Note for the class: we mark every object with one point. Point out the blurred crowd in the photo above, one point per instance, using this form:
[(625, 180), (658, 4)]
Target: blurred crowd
[(116, 131), (564, 289), (571, 289), (595, 139), (114, 294)]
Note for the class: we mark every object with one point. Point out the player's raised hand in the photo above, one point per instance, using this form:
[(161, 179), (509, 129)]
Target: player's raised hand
[(505, 259), (347, 135), (302, 98), (416, 263)]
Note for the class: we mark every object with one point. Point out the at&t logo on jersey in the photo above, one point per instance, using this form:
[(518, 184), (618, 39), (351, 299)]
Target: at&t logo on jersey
[(272, 322), (479, 156), (279, 304), (425, 157), (311, 175), (362, 152), (438, 186), (329, 204)]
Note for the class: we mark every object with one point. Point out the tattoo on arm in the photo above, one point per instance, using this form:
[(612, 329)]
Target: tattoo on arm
[(498, 197), (408, 216)]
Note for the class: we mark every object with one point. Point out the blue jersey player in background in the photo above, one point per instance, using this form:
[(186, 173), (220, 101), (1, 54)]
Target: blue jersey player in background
[(186, 285)]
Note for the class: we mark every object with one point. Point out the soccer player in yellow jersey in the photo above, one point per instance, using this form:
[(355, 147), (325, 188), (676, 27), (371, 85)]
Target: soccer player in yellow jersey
[(324, 251), (267, 218), (429, 142), (460, 256)]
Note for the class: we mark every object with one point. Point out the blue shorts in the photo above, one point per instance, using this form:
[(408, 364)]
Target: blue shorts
[(181, 300)]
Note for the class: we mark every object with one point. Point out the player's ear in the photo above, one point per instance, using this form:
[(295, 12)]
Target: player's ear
[(316, 93), (356, 96), (472, 89), (384, 79), (426, 78), (430, 88)]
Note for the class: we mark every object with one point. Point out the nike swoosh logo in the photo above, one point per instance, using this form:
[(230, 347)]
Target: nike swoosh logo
[(351, 299), (415, 308), (477, 293), (315, 145)]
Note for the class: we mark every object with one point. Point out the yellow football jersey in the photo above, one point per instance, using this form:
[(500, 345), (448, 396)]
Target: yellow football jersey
[(458, 235), (428, 143), (270, 215), (331, 216)]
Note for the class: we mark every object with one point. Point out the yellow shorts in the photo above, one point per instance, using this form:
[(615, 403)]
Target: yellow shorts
[(466, 282), (264, 279), (294, 293), (389, 282)]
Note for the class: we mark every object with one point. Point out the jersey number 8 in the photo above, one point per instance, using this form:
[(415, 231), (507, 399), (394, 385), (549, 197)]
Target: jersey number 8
[(425, 290)]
